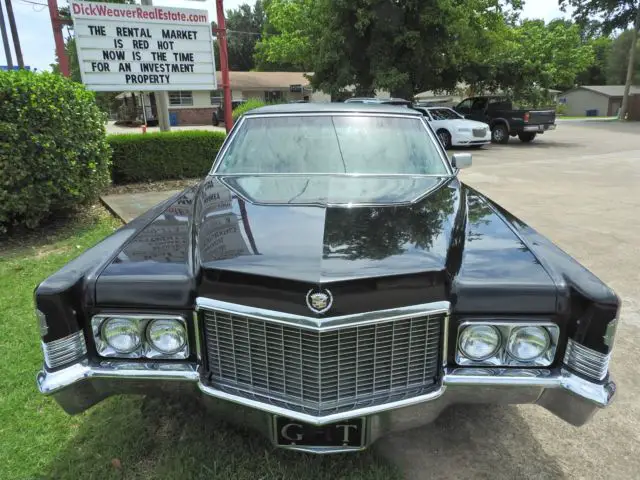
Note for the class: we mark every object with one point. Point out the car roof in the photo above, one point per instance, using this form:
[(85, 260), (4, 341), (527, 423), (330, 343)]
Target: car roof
[(297, 108)]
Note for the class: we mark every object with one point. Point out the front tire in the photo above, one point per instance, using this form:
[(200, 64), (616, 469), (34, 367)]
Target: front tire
[(445, 138), (526, 137), (500, 133)]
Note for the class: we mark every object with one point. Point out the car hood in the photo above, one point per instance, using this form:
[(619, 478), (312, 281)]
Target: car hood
[(376, 242), (380, 242)]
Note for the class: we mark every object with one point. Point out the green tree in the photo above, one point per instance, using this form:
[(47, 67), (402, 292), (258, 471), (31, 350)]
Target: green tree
[(612, 15), (401, 47), (596, 73), (617, 63), (530, 58), (244, 27)]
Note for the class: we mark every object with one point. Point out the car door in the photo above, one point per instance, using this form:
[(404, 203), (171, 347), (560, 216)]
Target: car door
[(464, 107), (478, 110)]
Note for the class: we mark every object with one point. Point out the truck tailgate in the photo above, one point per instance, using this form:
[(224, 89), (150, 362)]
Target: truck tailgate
[(542, 117)]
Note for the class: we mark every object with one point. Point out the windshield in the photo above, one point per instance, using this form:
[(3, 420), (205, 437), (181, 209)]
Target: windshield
[(444, 114), (333, 145)]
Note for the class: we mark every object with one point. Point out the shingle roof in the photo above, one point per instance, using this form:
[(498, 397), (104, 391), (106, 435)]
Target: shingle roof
[(264, 80), (611, 90)]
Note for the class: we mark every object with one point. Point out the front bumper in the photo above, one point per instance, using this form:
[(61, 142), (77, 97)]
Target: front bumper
[(570, 397), (464, 139)]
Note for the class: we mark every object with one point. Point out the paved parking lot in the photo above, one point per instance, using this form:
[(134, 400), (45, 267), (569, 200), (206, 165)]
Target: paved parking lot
[(580, 186)]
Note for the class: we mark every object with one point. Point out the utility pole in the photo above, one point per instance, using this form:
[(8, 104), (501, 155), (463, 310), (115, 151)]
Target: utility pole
[(631, 66), (14, 33), (5, 39), (162, 99), (221, 33), (56, 24)]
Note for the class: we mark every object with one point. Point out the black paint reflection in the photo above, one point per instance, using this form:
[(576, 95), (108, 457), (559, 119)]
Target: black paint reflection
[(381, 232)]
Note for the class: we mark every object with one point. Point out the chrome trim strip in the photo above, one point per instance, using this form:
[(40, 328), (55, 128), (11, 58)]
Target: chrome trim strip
[(64, 350), (319, 174), (196, 333), (443, 180), (586, 361), (323, 324), (445, 340)]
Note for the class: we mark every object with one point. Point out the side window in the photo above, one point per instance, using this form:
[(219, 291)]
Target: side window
[(479, 104), (465, 105)]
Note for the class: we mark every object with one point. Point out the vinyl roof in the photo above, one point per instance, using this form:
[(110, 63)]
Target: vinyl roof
[(293, 108)]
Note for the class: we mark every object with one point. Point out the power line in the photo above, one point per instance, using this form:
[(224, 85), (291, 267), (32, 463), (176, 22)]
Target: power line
[(30, 2)]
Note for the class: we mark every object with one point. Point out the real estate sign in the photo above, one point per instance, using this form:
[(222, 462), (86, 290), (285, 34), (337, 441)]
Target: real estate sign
[(143, 48)]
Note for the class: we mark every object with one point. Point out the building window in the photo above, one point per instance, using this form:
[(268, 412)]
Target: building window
[(180, 98), (273, 96), (217, 97)]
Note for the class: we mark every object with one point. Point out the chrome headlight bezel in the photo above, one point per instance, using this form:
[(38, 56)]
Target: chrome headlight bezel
[(146, 349), (502, 358)]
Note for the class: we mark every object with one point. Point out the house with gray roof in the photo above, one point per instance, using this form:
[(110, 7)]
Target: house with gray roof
[(599, 100)]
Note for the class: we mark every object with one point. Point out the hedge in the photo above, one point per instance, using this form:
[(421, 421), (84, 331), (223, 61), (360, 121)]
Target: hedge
[(163, 155), (243, 108), (53, 150)]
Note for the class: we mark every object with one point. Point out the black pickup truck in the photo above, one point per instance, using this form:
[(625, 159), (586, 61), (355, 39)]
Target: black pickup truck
[(504, 120)]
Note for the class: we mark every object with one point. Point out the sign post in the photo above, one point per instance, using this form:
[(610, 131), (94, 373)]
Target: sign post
[(134, 48)]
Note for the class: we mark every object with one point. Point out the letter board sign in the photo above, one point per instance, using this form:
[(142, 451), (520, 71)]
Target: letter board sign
[(143, 48)]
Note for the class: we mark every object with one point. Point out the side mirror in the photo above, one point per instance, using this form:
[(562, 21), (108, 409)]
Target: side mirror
[(461, 160)]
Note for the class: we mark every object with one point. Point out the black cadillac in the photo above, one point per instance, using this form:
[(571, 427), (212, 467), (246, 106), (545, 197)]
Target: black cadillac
[(330, 281)]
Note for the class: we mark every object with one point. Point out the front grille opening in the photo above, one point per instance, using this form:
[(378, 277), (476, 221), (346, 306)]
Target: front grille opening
[(321, 373)]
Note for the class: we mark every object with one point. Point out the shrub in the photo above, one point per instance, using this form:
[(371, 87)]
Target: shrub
[(250, 104), (163, 155), (53, 150)]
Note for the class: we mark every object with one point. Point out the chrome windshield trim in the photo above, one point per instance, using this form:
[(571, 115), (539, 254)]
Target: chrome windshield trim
[(443, 180), (412, 116), (323, 324)]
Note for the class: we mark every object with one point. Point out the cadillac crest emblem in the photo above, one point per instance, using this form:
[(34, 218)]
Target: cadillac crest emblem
[(319, 300)]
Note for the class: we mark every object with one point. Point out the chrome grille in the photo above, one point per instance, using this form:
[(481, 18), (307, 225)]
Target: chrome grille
[(479, 132), (322, 372), (586, 361)]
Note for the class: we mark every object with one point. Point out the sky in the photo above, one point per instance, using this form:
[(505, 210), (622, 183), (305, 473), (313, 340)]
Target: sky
[(36, 36)]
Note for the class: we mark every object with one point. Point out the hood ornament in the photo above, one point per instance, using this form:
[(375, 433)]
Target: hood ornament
[(319, 300)]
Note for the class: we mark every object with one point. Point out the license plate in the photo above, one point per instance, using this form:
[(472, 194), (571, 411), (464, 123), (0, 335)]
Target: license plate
[(348, 433)]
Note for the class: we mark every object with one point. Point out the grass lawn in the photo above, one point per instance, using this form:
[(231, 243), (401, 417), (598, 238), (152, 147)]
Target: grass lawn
[(123, 437)]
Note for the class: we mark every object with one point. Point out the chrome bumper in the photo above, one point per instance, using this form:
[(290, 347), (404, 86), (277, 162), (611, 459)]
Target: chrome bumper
[(575, 400)]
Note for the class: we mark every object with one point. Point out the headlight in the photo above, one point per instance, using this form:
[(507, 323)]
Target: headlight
[(466, 130), (528, 343), (507, 343), (141, 336), (167, 336), (478, 342), (121, 334)]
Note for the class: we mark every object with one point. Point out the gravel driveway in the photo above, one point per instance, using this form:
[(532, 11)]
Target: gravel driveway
[(580, 186)]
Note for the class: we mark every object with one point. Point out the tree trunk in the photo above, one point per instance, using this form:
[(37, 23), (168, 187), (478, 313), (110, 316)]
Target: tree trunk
[(630, 67)]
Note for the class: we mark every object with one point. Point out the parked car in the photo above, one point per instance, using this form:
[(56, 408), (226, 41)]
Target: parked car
[(379, 101), (330, 281), (505, 121), (218, 112), (454, 130)]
